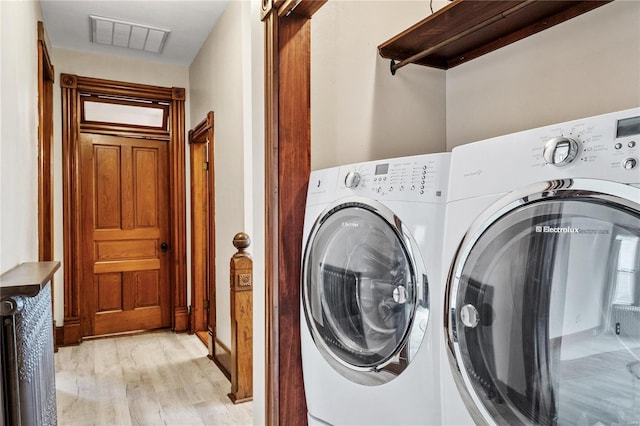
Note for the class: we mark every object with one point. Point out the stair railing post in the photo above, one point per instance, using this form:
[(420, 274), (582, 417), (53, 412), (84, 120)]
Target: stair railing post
[(241, 277)]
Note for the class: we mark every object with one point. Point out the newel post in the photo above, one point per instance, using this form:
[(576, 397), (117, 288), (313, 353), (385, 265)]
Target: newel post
[(241, 276)]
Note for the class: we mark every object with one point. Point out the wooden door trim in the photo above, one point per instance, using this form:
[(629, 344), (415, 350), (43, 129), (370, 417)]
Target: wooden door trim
[(287, 167), (72, 87), (46, 79), (205, 127), (201, 134)]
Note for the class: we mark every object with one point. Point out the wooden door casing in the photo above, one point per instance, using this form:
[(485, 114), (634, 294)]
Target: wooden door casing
[(46, 77), (287, 167), (124, 215), (73, 87), (203, 232)]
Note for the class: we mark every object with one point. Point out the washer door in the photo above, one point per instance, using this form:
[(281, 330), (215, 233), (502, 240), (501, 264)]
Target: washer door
[(364, 291), (544, 307)]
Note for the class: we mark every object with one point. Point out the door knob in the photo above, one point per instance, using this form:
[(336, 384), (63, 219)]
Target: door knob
[(164, 247)]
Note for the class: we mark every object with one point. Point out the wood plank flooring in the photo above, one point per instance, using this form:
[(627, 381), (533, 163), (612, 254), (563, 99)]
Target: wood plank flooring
[(152, 379)]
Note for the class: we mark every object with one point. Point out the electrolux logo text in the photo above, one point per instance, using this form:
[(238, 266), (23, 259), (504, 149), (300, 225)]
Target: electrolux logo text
[(557, 230), (568, 230)]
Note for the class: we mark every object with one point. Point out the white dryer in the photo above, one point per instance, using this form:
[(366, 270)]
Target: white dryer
[(371, 262), (542, 297)]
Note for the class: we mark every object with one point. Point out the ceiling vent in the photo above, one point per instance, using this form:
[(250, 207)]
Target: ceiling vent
[(113, 32)]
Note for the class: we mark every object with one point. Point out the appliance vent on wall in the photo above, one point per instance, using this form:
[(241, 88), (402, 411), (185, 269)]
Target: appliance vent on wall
[(114, 32)]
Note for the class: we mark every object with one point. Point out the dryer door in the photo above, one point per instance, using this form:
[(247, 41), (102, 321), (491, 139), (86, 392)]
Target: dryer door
[(364, 291), (544, 307)]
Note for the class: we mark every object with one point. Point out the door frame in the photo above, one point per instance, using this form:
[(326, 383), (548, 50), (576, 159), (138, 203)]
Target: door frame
[(72, 87), (287, 166), (203, 250), (46, 79)]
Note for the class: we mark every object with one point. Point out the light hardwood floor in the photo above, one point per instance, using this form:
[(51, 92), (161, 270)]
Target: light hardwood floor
[(152, 379)]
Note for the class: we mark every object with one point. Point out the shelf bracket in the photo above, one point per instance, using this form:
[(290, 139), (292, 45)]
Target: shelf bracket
[(393, 67)]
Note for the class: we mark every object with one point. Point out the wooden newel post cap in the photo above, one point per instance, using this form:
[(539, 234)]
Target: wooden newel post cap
[(241, 241)]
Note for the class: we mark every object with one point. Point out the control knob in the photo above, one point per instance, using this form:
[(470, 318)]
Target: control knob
[(560, 151), (629, 163), (352, 179)]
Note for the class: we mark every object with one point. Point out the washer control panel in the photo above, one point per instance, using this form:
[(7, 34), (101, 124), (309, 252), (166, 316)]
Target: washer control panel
[(421, 177)]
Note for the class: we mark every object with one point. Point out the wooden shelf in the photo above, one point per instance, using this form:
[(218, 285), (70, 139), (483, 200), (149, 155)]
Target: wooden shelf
[(27, 279), (467, 29)]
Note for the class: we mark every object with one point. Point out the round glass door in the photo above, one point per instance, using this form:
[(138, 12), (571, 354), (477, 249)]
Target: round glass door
[(545, 308), (362, 291)]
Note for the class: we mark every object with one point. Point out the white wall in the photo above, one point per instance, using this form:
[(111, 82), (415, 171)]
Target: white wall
[(359, 111), (227, 77), (217, 84), (256, 28), (19, 133), (582, 67), (110, 68), (119, 68)]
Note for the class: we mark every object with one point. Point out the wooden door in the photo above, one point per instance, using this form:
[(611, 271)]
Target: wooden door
[(203, 267), (125, 210), (200, 244)]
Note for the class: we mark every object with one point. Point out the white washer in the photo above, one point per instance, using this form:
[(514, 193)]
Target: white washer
[(542, 257), (371, 261)]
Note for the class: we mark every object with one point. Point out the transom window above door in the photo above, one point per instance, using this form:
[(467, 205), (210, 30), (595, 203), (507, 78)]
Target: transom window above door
[(125, 112)]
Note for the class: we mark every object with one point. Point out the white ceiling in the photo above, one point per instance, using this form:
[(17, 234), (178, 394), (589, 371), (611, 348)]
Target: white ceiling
[(190, 22)]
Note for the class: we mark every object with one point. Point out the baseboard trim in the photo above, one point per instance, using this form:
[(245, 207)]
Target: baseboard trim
[(181, 320), (222, 357), (68, 335)]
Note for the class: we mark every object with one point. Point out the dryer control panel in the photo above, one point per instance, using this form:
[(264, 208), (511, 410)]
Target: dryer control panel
[(416, 178), (612, 140), (601, 147)]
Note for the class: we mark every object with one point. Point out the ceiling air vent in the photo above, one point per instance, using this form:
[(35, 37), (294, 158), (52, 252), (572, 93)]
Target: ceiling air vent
[(114, 32)]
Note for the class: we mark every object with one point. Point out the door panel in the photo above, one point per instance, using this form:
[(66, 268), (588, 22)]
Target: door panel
[(125, 284), (110, 250), (145, 188), (106, 166), (109, 292)]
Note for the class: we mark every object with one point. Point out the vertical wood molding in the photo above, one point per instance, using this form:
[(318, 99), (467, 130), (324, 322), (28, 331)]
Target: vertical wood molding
[(212, 228), (178, 208), (46, 78), (272, 372), (294, 165), (72, 333), (288, 163)]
